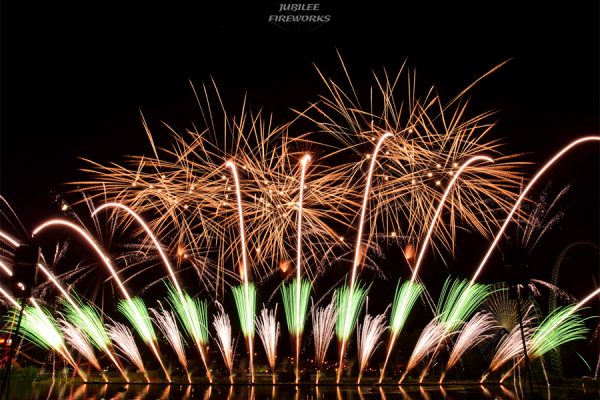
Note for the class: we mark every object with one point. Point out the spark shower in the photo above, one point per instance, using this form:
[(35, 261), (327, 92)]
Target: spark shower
[(228, 212)]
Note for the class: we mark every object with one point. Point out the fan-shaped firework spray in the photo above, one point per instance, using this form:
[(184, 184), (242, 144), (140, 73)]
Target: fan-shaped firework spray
[(268, 331), (295, 296), (138, 318), (123, 339), (368, 335), (353, 295), (167, 324), (222, 325), (323, 322)]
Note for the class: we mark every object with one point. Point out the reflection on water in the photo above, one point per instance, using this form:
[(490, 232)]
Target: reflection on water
[(65, 390)]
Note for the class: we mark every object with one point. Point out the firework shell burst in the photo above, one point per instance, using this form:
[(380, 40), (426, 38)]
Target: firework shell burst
[(430, 141), (185, 195)]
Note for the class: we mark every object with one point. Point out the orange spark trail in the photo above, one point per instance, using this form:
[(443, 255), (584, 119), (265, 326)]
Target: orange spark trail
[(432, 225), (150, 235), (304, 162), (165, 261), (238, 194), (9, 239), (524, 193), (106, 261), (363, 211), (357, 251), (556, 157), (93, 245)]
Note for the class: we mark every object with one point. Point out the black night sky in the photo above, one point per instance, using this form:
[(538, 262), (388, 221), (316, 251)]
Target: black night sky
[(75, 77)]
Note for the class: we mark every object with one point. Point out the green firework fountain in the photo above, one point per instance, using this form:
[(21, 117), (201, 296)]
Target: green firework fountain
[(296, 308), (458, 301), (39, 327), (245, 302), (560, 327), (404, 299), (348, 302), (136, 313), (245, 309), (87, 318), (193, 315)]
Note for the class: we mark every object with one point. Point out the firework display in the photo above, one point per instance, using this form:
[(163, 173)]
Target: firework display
[(225, 341), (368, 339), (40, 328), (295, 301), (323, 322), (218, 219), (87, 319), (193, 316), (167, 324), (268, 331)]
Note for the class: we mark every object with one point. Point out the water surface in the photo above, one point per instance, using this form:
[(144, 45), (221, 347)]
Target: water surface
[(66, 390)]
